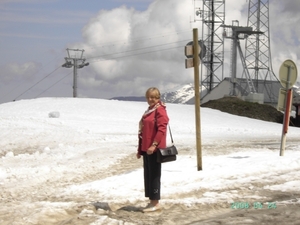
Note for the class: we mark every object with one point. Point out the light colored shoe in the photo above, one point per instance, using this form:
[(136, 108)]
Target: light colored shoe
[(151, 208)]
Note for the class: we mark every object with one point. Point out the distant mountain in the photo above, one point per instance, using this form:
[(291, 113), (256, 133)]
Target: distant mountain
[(296, 93), (180, 95), (296, 88), (185, 94), (130, 98)]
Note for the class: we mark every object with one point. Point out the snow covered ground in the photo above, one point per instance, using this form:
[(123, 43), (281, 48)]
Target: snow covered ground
[(52, 169)]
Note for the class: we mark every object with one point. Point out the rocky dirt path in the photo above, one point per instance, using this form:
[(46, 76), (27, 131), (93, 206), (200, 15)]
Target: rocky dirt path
[(26, 204), (216, 213)]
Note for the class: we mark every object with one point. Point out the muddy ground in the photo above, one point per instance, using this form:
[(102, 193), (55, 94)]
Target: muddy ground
[(239, 107), (276, 207)]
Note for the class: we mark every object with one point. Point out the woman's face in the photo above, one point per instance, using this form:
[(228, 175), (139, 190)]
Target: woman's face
[(152, 99)]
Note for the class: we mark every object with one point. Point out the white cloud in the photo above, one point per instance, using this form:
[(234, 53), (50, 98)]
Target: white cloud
[(124, 44), (109, 26), (131, 50), (284, 32), (15, 71)]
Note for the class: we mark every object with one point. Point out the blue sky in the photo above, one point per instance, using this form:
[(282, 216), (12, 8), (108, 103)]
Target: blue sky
[(40, 31), (35, 27), (130, 44)]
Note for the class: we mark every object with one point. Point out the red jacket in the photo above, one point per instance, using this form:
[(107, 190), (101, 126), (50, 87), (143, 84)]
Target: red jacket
[(154, 129)]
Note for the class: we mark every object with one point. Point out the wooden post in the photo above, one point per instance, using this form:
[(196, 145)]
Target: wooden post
[(197, 97)]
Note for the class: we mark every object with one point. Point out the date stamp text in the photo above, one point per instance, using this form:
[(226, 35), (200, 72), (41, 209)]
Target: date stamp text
[(254, 205)]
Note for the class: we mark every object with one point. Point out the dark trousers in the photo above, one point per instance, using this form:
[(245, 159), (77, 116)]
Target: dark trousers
[(152, 174)]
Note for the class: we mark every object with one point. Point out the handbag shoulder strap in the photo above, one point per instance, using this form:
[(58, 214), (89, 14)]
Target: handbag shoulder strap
[(169, 129), (171, 134)]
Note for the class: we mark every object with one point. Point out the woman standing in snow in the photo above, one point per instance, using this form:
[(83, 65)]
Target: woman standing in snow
[(152, 135)]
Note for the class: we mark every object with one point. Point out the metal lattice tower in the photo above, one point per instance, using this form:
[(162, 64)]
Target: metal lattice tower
[(77, 63), (213, 17), (237, 33), (257, 49)]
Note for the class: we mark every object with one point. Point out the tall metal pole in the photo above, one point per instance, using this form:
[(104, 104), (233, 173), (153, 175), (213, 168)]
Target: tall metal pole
[(75, 78), (212, 65), (258, 51), (287, 103), (233, 63), (256, 67)]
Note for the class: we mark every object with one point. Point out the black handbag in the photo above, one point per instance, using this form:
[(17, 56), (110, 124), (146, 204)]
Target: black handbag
[(167, 154)]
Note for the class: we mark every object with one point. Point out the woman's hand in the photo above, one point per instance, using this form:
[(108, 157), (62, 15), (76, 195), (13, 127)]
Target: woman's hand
[(151, 149), (138, 155)]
